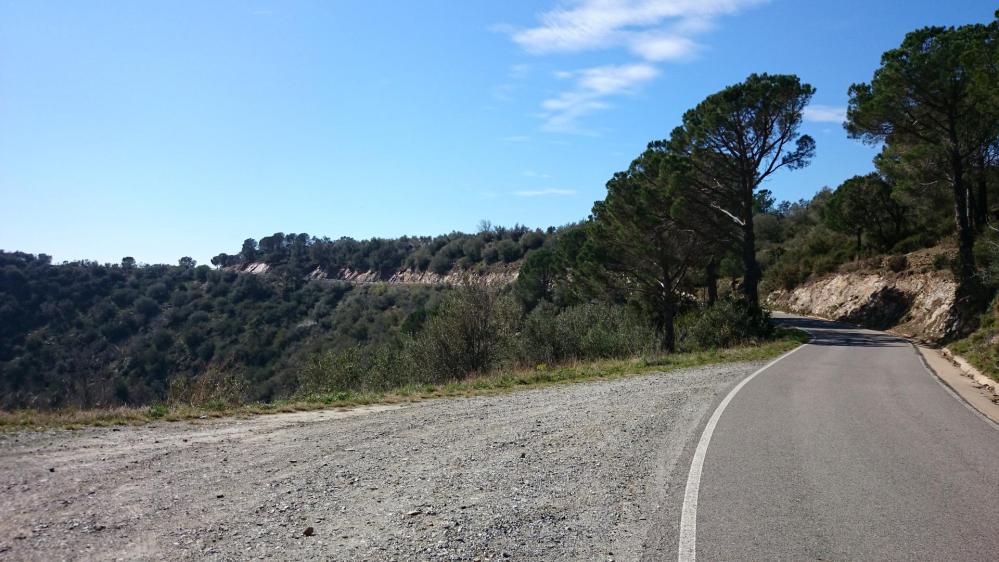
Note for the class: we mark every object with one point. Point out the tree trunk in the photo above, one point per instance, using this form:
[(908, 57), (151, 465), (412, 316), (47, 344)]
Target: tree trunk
[(712, 281), (982, 197), (751, 276), (972, 202), (965, 233), (667, 329)]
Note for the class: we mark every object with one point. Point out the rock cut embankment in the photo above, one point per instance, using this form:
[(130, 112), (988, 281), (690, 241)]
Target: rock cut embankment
[(917, 301)]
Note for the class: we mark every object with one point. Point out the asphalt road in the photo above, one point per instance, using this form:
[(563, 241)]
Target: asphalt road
[(847, 449)]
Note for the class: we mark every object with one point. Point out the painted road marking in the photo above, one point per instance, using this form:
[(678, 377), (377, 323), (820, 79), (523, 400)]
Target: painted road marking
[(688, 516)]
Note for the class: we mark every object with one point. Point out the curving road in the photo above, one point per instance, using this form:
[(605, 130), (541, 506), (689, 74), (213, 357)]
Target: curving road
[(845, 449)]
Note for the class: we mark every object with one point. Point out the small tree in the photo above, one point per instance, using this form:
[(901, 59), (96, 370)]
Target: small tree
[(221, 260), (642, 245), (469, 333), (536, 279), (248, 253), (864, 204)]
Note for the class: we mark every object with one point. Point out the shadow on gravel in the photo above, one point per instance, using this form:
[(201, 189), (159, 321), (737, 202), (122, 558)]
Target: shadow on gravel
[(827, 332)]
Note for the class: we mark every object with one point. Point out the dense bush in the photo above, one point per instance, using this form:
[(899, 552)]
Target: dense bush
[(585, 331), (896, 263), (471, 332), (474, 331), (729, 322)]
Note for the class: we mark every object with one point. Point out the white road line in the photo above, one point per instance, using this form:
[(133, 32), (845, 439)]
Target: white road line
[(688, 516)]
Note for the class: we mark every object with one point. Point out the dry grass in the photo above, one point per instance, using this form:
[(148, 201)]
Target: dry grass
[(490, 384), (980, 347)]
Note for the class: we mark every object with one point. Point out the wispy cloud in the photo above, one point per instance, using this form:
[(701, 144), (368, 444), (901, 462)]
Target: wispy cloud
[(652, 30), (591, 88), (551, 192), (661, 47), (819, 113)]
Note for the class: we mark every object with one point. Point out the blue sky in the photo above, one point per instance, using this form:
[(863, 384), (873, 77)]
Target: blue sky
[(164, 129)]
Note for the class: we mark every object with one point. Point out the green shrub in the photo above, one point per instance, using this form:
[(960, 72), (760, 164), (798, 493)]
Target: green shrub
[(896, 263), (471, 332), (392, 366), (586, 331), (726, 323), (784, 275), (333, 371), (915, 242), (941, 262), (214, 389), (158, 410)]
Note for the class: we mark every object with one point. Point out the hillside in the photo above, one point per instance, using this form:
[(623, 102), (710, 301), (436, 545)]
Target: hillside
[(422, 259), (88, 334)]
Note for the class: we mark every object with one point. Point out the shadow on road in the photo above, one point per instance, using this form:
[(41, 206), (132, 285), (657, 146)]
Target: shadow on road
[(827, 332)]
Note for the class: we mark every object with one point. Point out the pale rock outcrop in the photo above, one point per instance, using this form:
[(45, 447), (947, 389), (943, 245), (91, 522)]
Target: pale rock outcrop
[(496, 276), (916, 303), (258, 268)]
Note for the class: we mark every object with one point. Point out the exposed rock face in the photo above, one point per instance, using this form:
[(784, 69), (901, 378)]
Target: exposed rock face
[(496, 277), (257, 267), (914, 303)]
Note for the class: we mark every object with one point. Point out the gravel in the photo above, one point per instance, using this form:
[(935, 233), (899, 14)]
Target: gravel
[(578, 471)]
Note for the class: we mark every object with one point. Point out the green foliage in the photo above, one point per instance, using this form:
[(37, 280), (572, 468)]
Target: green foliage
[(471, 332), (934, 104), (896, 263), (214, 389), (981, 348), (725, 324), (732, 142), (641, 240), (941, 262), (536, 279), (83, 334), (157, 411), (330, 370), (987, 254), (586, 331), (295, 256), (865, 205), (801, 245), (476, 331)]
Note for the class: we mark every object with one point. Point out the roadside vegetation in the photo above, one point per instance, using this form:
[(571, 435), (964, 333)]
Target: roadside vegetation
[(227, 403), (672, 261)]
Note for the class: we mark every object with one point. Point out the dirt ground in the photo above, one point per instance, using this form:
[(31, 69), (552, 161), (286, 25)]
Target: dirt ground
[(578, 471)]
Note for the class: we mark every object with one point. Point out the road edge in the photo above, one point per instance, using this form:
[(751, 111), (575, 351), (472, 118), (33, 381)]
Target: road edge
[(958, 384), (687, 537), (965, 372)]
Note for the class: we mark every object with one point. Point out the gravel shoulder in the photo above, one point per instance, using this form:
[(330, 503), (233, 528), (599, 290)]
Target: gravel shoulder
[(577, 471)]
